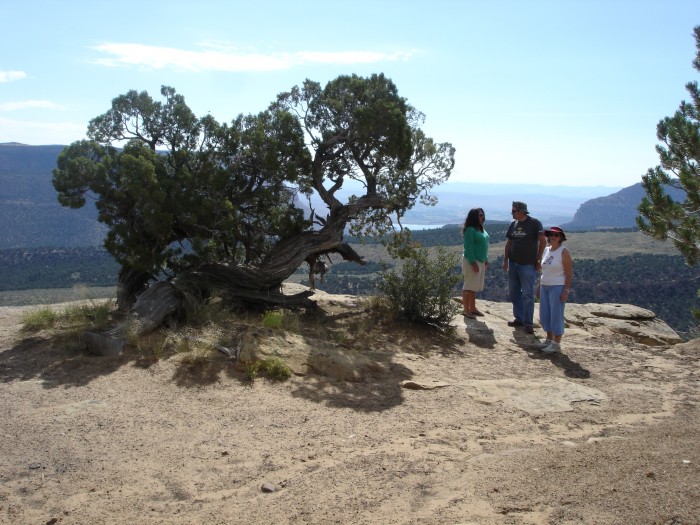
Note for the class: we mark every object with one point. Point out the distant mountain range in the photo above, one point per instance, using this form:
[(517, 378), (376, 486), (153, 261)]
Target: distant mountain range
[(618, 210), (551, 204), (30, 215)]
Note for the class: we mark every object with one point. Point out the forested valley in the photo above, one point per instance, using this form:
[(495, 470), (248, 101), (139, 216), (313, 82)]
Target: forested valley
[(664, 284)]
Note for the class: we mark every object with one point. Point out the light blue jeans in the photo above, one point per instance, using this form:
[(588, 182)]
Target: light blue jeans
[(521, 291), (552, 309)]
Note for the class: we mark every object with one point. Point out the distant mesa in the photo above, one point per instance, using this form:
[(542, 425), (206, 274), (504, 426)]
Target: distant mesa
[(618, 210)]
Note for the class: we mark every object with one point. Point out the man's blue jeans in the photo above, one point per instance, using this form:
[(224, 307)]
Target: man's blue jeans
[(521, 291)]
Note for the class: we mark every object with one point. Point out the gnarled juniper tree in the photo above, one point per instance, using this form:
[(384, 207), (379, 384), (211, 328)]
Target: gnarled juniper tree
[(209, 206)]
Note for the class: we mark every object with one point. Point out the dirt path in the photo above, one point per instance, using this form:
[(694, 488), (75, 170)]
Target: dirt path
[(605, 433)]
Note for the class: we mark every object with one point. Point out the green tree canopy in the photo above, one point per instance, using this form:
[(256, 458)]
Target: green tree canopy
[(211, 205), (660, 216)]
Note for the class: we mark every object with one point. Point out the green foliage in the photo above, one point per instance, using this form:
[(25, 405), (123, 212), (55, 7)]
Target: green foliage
[(39, 319), (273, 319), (206, 199), (282, 320), (275, 368), (424, 289), (93, 315), (250, 370), (272, 367), (77, 317), (187, 191), (660, 216)]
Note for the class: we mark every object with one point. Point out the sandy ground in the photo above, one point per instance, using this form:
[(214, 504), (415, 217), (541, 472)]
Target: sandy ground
[(606, 433)]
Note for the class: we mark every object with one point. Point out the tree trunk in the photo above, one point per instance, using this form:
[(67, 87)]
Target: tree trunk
[(130, 284), (250, 287), (260, 286), (160, 304)]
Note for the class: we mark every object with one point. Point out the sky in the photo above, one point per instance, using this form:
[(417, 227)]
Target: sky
[(560, 92)]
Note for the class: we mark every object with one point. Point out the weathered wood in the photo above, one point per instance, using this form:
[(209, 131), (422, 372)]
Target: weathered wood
[(158, 305), (103, 344), (256, 287), (130, 284)]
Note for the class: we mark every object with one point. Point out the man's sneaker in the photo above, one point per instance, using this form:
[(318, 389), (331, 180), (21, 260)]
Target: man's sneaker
[(515, 322), (545, 344), (552, 348), (529, 329)]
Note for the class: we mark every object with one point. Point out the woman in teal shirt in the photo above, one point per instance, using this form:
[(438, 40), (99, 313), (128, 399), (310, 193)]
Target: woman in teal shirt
[(475, 260)]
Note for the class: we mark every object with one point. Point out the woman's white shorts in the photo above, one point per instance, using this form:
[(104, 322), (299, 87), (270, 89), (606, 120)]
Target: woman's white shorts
[(473, 281)]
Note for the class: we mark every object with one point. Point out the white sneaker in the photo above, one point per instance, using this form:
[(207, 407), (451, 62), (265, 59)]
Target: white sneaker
[(552, 348), (542, 346)]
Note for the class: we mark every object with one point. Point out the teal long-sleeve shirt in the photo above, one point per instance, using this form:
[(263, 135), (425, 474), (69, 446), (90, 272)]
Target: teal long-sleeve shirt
[(476, 245)]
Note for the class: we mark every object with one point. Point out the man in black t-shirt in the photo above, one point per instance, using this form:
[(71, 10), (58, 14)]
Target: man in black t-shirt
[(522, 261)]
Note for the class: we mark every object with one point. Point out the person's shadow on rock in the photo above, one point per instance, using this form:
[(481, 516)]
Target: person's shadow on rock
[(479, 333), (561, 360), (571, 368)]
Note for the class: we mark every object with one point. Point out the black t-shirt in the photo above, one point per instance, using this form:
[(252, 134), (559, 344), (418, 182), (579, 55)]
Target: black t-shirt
[(525, 242)]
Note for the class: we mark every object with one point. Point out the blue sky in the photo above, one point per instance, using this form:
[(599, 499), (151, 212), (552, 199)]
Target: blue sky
[(543, 92)]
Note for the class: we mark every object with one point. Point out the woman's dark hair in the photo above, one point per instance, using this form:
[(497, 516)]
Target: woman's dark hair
[(473, 220)]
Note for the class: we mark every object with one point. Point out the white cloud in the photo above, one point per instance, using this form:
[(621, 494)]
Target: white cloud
[(9, 76), (232, 61), (28, 104), (40, 133)]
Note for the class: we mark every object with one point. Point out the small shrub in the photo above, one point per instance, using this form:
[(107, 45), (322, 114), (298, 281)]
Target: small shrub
[(39, 319), (251, 371), (93, 315), (423, 291), (284, 320), (275, 368), (213, 311), (273, 319)]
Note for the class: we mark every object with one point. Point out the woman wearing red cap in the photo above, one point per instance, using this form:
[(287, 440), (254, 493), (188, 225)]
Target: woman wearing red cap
[(553, 290)]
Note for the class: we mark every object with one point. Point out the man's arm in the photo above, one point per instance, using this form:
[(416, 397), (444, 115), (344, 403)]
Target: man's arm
[(540, 250), (506, 255)]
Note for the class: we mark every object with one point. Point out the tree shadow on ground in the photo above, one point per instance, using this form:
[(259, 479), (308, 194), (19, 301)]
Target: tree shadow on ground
[(54, 361), (374, 394), (379, 340), (59, 361)]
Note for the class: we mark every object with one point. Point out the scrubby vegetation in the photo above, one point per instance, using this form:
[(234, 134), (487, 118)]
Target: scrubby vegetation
[(423, 290)]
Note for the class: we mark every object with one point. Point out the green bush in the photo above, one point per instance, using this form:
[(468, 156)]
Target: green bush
[(282, 320), (423, 291), (94, 315), (273, 319), (276, 369)]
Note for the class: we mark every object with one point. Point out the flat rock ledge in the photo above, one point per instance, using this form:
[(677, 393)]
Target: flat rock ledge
[(638, 323)]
